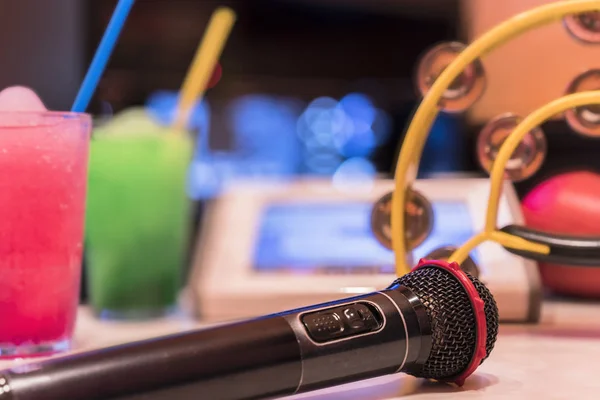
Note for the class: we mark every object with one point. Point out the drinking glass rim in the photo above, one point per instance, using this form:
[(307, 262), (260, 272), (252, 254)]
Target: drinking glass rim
[(50, 113), (48, 117)]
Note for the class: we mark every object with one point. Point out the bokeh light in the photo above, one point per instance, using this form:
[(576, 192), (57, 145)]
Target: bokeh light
[(355, 173), (333, 131)]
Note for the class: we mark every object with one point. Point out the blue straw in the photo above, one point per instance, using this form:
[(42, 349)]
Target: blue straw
[(103, 53)]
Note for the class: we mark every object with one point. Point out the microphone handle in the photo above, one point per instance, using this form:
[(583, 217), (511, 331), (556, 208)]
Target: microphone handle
[(282, 354)]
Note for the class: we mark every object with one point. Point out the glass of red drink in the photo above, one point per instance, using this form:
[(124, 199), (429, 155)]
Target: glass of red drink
[(43, 175)]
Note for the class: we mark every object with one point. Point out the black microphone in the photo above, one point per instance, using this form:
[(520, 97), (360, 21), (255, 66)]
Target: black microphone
[(436, 322)]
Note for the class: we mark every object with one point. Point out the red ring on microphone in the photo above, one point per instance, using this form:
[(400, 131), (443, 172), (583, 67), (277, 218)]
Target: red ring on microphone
[(478, 308)]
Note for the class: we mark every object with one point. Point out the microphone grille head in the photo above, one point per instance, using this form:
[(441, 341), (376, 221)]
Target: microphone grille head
[(463, 316)]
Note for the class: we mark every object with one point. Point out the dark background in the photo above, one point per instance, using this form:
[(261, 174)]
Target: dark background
[(299, 49)]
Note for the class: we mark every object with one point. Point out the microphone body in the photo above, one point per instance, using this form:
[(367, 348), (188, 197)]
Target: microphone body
[(436, 322), (282, 354)]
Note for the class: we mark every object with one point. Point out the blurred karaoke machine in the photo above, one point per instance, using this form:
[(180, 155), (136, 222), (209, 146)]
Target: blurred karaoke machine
[(268, 247)]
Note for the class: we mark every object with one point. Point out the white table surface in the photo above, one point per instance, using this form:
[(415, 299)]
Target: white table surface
[(556, 359)]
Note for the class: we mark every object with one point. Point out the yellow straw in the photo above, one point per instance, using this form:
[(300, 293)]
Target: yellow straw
[(202, 67)]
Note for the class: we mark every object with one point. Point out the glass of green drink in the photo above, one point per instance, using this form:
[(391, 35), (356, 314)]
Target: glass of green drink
[(137, 216)]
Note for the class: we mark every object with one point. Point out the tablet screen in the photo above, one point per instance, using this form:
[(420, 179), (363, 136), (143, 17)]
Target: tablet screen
[(308, 238)]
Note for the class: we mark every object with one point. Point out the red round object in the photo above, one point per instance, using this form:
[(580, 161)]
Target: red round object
[(567, 204)]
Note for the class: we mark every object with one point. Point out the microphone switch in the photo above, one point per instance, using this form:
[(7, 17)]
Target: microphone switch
[(342, 321)]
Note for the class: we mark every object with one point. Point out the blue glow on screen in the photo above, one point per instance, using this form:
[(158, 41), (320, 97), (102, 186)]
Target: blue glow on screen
[(276, 138), (264, 145), (306, 238)]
